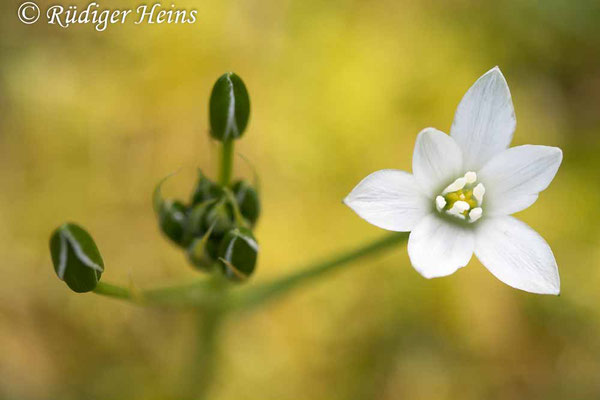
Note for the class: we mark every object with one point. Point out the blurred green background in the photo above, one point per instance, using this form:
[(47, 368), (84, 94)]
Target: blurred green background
[(90, 121)]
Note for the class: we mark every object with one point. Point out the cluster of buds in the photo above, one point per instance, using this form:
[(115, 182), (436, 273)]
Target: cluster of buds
[(214, 227)]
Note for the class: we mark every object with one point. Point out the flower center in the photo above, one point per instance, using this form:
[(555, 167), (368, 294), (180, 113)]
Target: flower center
[(462, 199)]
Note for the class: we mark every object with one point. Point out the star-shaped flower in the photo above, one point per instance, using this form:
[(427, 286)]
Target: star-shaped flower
[(462, 191)]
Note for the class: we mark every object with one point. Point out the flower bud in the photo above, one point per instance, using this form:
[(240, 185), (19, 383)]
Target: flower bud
[(205, 190), (219, 218), (172, 219), (195, 221), (202, 252), (171, 214), (76, 258), (237, 254), (247, 200), (229, 108)]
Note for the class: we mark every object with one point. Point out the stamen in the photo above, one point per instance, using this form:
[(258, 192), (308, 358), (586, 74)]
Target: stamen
[(440, 203), (460, 206), (456, 214), (475, 214), (462, 198), (471, 177), (456, 185), (458, 209), (478, 193)]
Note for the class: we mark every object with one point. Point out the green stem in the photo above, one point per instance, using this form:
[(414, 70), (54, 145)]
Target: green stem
[(226, 165), (253, 296), (213, 301), (203, 293), (203, 364), (196, 294), (110, 290)]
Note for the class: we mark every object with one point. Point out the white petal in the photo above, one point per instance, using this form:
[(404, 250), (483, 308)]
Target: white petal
[(517, 255), (485, 120), (514, 177), (389, 199), (437, 161), (437, 247)]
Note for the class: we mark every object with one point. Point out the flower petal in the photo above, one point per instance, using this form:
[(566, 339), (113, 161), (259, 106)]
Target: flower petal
[(485, 120), (437, 161), (514, 177), (517, 255), (389, 199), (437, 247)]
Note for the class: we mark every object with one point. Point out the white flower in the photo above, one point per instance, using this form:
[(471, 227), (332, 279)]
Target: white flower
[(462, 191)]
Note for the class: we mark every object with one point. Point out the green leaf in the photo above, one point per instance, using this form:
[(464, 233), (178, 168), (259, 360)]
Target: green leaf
[(229, 108), (238, 253), (77, 260)]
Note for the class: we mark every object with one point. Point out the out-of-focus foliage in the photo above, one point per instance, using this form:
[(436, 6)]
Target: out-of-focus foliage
[(90, 121)]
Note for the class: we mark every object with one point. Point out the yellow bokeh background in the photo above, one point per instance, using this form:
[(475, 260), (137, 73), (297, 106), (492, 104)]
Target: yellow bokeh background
[(90, 121)]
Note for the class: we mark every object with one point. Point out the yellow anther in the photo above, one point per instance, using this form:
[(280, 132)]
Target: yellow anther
[(451, 198)]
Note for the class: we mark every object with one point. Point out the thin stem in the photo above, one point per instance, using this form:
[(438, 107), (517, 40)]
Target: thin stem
[(203, 369), (203, 364), (226, 165), (253, 296), (203, 293), (110, 290), (195, 294)]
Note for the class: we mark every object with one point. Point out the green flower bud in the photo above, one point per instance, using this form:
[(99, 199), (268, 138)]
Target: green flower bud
[(219, 218), (204, 244), (171, 214), (229, 108), (195, 223), (212, 246), (247, 200), (237, 254), (172, 219), (76, 258), (202, 251), (205, 190)]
